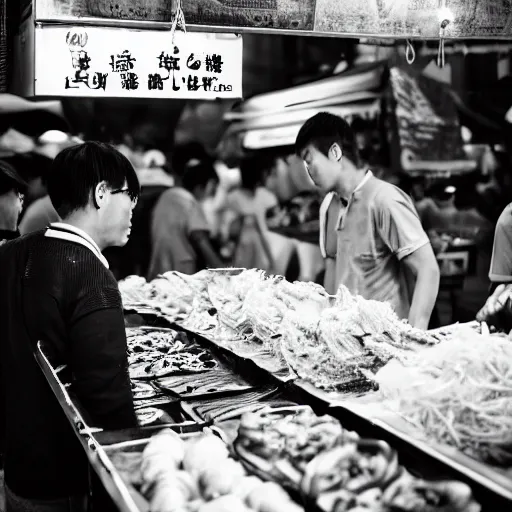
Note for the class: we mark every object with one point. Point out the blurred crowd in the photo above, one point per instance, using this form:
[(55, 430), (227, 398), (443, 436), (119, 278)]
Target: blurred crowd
[(195, 212)]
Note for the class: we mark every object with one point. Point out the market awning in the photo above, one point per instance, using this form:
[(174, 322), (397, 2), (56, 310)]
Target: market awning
[(284, 134), (274, 119), (352, 85)]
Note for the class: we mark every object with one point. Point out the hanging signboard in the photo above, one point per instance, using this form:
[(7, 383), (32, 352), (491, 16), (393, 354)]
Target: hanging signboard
[(427, 134), (361, 18), (109, 62)]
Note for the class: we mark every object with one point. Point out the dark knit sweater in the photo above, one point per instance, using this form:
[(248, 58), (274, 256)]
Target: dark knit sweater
[(58, 292)]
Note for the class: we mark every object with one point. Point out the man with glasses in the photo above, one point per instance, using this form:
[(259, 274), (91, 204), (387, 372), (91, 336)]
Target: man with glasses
[(56, 287), (12, 190)]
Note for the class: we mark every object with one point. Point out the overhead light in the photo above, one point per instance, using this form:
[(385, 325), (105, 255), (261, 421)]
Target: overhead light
[(445, 13)]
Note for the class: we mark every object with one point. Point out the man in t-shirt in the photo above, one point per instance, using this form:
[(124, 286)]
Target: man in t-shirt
[(498, 307), (501, 262), (56, 288), (179, 229), (380, 250)]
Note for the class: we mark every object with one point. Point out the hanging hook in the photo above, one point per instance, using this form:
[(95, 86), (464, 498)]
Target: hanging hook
[(410, 53), (178, 21), (440, 52)]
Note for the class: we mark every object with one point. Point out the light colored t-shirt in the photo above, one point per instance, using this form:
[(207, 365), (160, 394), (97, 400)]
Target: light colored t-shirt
[(374, 232), (39, 215), (501, 262), (176, 215), (252, 208)]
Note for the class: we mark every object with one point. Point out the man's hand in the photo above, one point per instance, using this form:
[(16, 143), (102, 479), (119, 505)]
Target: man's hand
[(422, 263), (495, 303), (201, 243)]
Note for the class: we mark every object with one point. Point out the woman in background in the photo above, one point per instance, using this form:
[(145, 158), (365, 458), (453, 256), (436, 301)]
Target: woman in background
[(248, 207)]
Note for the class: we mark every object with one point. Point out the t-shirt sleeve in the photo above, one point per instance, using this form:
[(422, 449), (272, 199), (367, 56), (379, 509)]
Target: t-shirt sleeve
[(196, 219), (398, 223), (501, 262)]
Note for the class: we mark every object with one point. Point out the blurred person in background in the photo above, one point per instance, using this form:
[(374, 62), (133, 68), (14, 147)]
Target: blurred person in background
[(372, 230), (500, 272), (494, 195), (12, 190), (247, 208), (180, 233), (41, 212)]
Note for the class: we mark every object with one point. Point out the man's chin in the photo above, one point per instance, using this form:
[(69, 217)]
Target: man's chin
[(121, 242)]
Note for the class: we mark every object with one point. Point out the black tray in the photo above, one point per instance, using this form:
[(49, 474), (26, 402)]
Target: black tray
[(215, 383), (254, 367), (166, 410), (230, 407)]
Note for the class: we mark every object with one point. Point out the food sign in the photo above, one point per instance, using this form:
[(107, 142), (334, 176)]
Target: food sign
[(106, 62)]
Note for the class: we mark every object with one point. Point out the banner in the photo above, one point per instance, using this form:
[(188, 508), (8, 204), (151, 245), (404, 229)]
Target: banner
[(112, 62), (372, 18), (427, 130)]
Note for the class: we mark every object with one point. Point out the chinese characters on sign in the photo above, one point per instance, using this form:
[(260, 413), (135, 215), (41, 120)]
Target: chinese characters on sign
[(76, 40), (123, 65), (139, 64)]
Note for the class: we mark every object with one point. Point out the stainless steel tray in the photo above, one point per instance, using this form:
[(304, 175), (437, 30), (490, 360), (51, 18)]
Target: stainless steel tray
[(124, 497), (497, 482), (97, 458)]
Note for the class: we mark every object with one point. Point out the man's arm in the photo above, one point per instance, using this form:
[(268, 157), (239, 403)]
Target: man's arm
[(423, 265), (330, 276), (98, 360), (401, 230), (201, 243), (266, 248)]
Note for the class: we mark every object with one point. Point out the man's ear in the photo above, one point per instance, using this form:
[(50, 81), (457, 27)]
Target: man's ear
[(100, 193), (336, 152)]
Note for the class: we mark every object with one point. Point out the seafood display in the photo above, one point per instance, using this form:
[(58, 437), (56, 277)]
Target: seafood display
[(224, 408), (198, 475), (153, 354), (337, 343), (172, 294), (291, 436), (338, 471), (143, 390), (458, 393), (204, 384)]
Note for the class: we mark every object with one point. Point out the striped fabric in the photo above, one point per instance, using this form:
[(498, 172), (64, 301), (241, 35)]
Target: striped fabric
[(4, 47)]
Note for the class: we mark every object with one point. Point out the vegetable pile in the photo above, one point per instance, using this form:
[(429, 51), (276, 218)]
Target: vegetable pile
[(460, 393)]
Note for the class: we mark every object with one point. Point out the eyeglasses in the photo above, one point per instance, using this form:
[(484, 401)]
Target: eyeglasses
[(124, 190)]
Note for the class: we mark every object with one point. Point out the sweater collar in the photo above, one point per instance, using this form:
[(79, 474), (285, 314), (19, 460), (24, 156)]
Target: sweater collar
[(64, 231)]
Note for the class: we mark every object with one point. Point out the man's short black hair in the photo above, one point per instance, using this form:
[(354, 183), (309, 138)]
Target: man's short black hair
[(198, 173), (323, 130), (77, 170), (11, 180)]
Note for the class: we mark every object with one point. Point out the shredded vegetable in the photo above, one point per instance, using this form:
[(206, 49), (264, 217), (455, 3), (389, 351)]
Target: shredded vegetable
[(461, 394)]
